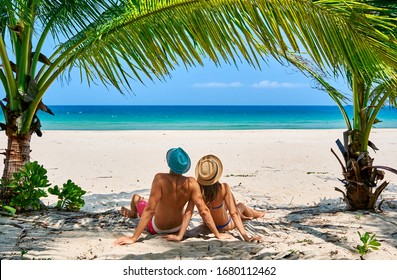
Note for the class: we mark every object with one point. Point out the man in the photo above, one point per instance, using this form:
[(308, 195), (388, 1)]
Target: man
[(164, 212)]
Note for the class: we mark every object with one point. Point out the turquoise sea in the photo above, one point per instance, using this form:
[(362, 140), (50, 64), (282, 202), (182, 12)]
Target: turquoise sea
[(201, 117)]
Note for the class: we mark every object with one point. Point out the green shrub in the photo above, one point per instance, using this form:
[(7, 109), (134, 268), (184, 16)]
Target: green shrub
[(28, 186), (9, 210), (369, 242), (69, 197)]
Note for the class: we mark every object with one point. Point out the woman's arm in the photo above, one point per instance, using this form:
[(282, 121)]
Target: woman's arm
[(233, 212)]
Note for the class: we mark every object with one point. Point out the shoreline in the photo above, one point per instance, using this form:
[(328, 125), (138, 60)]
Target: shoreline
[(291, 174), (201, 130)]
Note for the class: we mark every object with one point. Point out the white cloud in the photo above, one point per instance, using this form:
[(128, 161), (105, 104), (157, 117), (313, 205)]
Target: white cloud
[(275, 84), (261, 84), (217, 85)]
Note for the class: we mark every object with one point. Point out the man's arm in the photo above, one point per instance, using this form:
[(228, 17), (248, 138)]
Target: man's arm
[(147, 215)]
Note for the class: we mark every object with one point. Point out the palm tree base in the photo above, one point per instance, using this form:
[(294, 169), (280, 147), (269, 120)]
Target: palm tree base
[(361, 177), (361, 197)]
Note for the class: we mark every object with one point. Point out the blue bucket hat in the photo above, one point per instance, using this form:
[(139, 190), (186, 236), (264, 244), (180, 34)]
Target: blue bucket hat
[(178, 160)]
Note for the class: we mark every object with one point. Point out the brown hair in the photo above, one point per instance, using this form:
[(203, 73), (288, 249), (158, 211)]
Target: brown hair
[(210, 192)]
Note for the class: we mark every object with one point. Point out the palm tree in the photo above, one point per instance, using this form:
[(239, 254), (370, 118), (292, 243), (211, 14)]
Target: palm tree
[(361, 177), (118, 41), (370, 93)]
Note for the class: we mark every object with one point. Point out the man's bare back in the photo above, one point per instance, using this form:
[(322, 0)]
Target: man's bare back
[(176, 191)]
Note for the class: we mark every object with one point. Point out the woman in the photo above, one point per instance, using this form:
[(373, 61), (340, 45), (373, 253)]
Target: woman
[(219, 198)]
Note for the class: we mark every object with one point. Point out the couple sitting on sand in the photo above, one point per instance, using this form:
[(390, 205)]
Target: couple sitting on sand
[(165, 211)]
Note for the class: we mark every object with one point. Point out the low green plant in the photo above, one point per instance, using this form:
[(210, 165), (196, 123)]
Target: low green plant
[(358, 216), (23, 252), (28, 185), (69, 197), (8, 209), (369, 242)]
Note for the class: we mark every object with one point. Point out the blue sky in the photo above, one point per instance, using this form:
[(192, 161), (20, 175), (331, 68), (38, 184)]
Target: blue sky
[(274, 84)]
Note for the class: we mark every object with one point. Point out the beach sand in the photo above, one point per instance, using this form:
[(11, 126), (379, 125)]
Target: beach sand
[(290, 174)]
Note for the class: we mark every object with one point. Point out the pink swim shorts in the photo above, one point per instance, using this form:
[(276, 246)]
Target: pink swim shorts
[(140, 206)]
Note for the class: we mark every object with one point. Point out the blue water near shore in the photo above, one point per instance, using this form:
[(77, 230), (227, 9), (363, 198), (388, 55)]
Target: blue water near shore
[(201, 117)]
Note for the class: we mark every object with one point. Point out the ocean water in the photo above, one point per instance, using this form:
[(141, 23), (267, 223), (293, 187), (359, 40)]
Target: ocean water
[(201, 117)]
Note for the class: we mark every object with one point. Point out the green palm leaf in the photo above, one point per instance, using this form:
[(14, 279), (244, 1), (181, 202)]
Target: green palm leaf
[(321, 77), (115, 42)]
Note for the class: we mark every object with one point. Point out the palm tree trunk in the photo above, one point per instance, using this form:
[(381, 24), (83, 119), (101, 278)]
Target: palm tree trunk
[(17, 154), (361, 176)]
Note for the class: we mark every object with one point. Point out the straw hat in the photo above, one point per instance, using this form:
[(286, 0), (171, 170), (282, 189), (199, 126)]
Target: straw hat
[(178, 160), (208, 170)]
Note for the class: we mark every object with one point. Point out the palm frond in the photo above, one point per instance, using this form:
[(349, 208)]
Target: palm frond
[(67, 18), (7, 76), (338, 33), (311, 71), (383, 88), (3, 19), (153, 37)]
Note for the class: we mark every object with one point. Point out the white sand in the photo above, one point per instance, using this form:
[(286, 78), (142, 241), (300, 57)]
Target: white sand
[(289, 173)]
